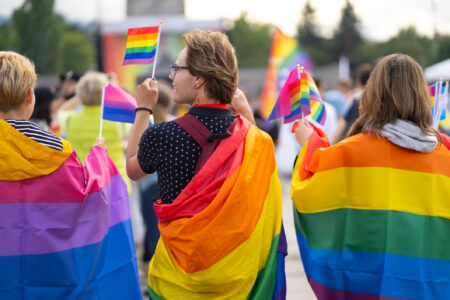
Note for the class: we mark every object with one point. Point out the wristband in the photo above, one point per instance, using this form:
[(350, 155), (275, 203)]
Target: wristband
[(144, 108)]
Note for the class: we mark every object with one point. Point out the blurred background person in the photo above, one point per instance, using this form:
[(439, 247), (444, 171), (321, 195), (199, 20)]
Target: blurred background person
[(45, 107)]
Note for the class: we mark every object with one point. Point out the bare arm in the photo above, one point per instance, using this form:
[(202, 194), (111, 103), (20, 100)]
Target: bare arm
[(146, 96), (240, 105)]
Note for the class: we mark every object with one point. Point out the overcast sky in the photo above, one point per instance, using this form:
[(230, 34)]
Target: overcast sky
[(380, 19)]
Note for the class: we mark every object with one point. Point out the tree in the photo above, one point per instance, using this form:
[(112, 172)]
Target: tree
[(252, 42), (444, 48), (347, 38), (7, 40), (78, 52), (39, 32), (409, 41), (307, 31)]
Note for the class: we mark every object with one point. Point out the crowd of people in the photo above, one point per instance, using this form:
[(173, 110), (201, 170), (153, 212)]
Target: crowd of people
[(206, 210)]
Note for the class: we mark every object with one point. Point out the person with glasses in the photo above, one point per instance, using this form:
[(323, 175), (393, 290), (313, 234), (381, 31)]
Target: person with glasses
[(220, 208)]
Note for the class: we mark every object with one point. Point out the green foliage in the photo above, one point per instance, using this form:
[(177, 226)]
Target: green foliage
[(307, 31), (39, 32), (443, 48), (252, 42), (78, 52), (7, 39), (347, 37), (407, 41)]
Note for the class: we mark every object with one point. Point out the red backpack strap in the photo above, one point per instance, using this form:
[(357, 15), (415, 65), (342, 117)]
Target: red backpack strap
[(202, 136), (214, 141), (194, 128)]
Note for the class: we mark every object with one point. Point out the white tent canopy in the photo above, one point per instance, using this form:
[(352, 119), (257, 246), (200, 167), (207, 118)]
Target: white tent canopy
[(437, 71)]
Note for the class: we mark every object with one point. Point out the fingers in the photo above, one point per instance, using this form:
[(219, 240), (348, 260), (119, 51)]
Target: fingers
[(100, 141)]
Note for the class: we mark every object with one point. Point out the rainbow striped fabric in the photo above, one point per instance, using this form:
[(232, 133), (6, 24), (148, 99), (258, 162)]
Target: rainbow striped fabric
[(372, 219), (65, 229), (285, 55), (141, 45), (118, 105), (222, 238), (298, 97)]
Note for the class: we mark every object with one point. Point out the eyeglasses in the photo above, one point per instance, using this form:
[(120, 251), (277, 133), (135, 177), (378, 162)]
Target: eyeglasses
[(174, 68)]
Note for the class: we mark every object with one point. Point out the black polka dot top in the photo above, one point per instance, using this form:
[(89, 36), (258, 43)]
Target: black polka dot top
[(170, 151)]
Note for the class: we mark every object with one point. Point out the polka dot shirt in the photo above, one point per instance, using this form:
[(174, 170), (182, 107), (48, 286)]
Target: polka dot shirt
[(170, 151)]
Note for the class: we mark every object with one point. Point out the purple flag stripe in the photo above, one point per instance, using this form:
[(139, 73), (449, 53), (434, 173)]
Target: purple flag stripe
[(323, 292), (23, 226), (50, 185), (139, 61), (119, 105)]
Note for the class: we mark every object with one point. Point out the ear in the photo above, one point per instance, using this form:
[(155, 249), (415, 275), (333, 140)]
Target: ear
[(199, 81), (30, 96)]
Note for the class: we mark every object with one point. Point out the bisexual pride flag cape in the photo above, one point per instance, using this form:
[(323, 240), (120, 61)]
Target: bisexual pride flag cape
[(222, 238), (373, 219), (65, 230)]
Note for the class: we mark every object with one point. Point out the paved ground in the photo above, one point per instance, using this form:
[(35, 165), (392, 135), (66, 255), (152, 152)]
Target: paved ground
[(297, 285)]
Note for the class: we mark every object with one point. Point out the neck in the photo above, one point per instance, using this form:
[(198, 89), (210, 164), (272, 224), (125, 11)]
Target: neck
[(202, 98), (13, 115)]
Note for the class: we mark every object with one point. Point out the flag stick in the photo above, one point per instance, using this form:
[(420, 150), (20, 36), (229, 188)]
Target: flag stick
[(437, 104), (157, 48), (101, 110), (299, 72)]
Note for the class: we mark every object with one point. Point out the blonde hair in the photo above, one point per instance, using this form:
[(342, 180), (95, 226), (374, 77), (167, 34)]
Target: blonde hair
[(17, 77), (89, 88), (396, 89), (211, 56)]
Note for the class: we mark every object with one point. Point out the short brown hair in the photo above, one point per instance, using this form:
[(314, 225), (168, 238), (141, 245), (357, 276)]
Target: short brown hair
[(89, 88), (17, 77), (211, 56), (396, 89)]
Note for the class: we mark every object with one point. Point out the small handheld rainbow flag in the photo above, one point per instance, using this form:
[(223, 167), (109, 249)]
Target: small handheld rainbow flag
[(439, 97), (299, 98), (142, 45)]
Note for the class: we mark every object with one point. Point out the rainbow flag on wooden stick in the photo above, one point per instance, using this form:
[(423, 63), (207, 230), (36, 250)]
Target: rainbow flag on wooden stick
[(299, 98), (142, 45), (222, 238), (285, 54)]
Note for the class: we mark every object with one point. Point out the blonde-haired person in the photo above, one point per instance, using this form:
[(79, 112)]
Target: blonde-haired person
[(192, 156), (82, 127), (53, 210), (372, 213)]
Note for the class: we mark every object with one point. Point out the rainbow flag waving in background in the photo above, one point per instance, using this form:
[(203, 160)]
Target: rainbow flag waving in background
[(65, 229), (370, 225), (141, 45), (222, 238), (285, 55), (299, 98)]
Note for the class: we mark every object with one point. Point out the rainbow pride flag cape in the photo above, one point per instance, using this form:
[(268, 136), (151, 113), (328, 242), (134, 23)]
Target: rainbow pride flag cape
[(118, 105), (222, 238), (285, 54), (65, 230), (141, 45), (372, 219), (299, 98)]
